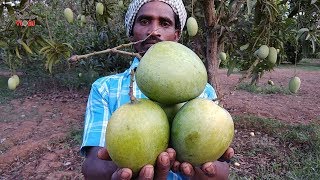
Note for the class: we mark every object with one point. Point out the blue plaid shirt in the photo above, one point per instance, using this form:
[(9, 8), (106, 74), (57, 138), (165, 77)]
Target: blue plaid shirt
[(108, 94)]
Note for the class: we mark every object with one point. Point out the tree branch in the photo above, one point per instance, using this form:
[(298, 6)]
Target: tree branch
[(235, 10), (112, 50)]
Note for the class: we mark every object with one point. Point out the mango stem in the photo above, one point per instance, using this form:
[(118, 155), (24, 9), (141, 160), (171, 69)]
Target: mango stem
[(132, 98)]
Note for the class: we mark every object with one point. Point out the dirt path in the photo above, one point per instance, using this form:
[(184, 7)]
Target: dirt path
[(37, 132), (302, 107)]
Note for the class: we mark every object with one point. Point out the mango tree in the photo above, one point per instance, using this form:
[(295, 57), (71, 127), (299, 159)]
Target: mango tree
[(241, 27)]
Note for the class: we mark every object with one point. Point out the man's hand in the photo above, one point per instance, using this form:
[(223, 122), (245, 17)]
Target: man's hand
[(210, 170), (95, 168), (98, 165)]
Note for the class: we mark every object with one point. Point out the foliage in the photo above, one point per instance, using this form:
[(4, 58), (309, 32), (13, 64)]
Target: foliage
[(236, 23), (263, 89), (52, 41)]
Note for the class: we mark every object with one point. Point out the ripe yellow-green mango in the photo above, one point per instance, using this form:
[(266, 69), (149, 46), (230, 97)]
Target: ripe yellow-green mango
[(263, 52), (171, 110), (294, 84), (99, 8), (12, 85), (192, 26), (272, 56), (68, 14), (83, 19), (201, 132), (171, 73), (222, 56), (136, 134), (17, 79)]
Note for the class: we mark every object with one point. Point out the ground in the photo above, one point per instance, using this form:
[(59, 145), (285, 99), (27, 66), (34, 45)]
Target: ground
[(40, 134)]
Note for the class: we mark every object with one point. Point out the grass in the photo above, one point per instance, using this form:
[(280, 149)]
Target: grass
[(305, 64), (75, 135), (263, 89), (278, 151)]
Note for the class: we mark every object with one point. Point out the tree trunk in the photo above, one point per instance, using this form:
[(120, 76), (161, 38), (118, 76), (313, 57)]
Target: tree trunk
[(212, 45), (212, 61)]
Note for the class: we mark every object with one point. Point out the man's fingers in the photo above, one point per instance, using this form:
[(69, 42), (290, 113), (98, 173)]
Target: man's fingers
[(176, 166), (103, 154), (209, 169), (228, 154), (122, 174), (172, 155), (146, 173), (187, 169), (162, 166)]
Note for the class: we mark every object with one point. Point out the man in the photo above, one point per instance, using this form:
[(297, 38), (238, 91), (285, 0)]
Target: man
[(158, 20)]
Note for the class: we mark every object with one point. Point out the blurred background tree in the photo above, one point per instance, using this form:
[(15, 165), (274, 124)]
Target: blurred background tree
[(236, 27)]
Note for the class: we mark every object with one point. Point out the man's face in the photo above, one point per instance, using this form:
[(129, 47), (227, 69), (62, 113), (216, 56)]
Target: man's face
[(155, 18)]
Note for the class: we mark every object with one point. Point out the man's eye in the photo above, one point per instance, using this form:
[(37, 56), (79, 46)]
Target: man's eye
[(144, 21), (165, 24)]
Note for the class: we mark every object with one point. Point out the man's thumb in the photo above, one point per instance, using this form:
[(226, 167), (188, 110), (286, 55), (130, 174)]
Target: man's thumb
[(103, 154)]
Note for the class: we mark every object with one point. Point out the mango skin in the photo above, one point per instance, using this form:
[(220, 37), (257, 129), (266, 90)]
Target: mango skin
[(201, 132), (294, 84), (83, 19), (222, 56), (99, 8), (263, 52), (171, 73), (17, 79), (68, 14), (136, 134), (12, 84), (171, 110), (192, 26), (272, 56)]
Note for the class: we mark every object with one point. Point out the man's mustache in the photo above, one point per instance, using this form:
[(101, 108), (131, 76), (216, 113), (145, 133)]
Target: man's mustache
[(151, 40)]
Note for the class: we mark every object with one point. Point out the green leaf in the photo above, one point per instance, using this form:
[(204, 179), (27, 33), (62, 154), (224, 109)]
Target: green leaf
[(17, 53), (25, 46), (301, 32), (230, 71), (22, 3), (3, 44), (10, 9), (313, 45), (244, 47), (1, 10)]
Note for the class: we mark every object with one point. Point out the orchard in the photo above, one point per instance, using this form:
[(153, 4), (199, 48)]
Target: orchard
[(262, 58)]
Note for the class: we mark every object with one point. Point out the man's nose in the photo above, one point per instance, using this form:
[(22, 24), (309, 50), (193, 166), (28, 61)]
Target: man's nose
[(154, 29)]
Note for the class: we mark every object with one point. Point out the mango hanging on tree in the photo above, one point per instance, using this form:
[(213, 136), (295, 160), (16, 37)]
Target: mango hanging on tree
[(272, 56), (99, 8), (263, 52), (68, 14), (192, 26)]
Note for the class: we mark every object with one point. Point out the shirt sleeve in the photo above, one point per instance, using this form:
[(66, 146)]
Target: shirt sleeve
[(96, 117), (208, 92)]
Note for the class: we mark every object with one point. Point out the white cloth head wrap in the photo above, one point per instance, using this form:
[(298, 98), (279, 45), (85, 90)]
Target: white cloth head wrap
[(176, 5)]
